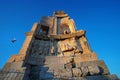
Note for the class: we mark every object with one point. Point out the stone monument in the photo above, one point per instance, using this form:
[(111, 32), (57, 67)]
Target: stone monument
[(55, 50)]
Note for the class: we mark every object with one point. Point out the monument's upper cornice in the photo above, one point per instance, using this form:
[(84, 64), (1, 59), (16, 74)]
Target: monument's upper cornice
[(60, 14)]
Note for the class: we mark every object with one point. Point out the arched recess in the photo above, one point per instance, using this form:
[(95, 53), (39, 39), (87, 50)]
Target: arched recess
[(44, 30)]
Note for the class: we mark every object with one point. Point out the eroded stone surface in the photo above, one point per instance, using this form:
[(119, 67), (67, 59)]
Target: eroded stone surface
[(54, 49)]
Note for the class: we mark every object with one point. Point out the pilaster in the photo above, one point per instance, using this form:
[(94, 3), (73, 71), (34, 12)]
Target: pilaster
[(29, 38)]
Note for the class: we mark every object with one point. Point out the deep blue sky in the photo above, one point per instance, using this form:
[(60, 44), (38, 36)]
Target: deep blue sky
[(100, 18)]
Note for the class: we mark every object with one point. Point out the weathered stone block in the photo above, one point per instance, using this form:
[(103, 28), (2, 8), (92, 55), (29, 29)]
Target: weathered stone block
[(62, 73), (76, 72), (101, 65), (8, 74), (9, 78), (93, 70), (84, 70)]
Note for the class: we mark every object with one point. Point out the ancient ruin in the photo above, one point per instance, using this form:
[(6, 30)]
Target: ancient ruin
[(55, 50)]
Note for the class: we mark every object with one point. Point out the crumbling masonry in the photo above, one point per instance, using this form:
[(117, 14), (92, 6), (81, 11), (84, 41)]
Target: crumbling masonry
[(55, 50)]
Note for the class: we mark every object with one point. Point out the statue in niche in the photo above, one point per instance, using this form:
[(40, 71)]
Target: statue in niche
[(60, 52), (64, 28), (66, 31), (52, 49)]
